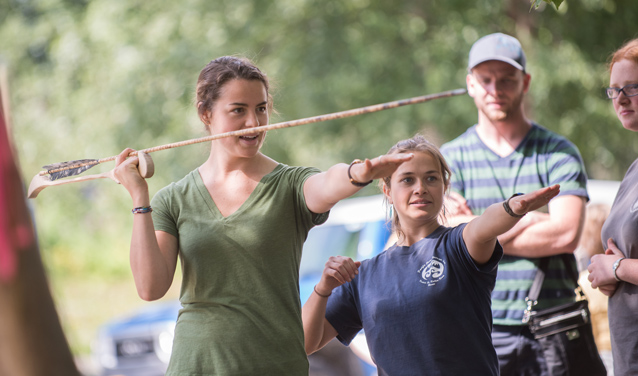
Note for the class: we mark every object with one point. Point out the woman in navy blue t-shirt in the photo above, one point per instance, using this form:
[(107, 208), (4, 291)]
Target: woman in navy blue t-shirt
[(424, 303)]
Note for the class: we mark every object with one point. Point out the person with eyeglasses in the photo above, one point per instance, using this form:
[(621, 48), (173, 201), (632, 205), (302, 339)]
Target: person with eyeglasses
[(615, 273), (503, 154)]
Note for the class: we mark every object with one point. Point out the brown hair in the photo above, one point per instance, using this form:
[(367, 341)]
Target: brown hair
[(218, 72), (628, 51), (414, 144)]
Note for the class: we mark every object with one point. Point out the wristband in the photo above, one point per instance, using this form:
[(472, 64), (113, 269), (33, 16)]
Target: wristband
[(142, 210), (615, 268), (354, 182), (509, 210), (321, 295)]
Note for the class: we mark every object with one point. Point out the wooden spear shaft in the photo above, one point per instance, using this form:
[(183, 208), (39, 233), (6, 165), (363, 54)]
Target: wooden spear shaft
[(286, 124)]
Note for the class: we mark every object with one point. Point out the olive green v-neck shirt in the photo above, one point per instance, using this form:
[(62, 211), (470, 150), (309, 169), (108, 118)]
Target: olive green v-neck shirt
[(241, 312)]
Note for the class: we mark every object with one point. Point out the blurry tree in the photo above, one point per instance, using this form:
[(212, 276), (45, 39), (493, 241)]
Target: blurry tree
[(537, 3), (90, 77)]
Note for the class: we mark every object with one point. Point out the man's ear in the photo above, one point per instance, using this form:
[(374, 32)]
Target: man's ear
[(470, 84), (526, 80)]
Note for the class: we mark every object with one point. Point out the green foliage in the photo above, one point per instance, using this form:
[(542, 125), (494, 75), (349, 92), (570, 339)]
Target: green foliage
[(537, 3), (91, 77)]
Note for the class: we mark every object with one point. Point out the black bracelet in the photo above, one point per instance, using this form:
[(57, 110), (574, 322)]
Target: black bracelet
[(354, 182), (508, 209), (323, 296)]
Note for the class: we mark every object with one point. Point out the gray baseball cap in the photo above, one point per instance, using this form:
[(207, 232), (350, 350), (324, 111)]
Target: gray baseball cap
[(497, 46)]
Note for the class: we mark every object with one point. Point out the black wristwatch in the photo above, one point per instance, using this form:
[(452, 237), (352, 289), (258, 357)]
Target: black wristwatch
[(508, 209)]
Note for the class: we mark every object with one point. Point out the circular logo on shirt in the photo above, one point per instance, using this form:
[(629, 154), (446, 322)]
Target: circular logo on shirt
[(432, 272)]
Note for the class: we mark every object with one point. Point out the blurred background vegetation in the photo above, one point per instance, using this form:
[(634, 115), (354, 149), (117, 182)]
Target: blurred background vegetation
[(88, 78)]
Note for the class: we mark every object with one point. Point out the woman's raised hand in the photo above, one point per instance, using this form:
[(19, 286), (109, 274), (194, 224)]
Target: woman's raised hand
[(126, 172), (533, 200), (379, 167), (601, 271)]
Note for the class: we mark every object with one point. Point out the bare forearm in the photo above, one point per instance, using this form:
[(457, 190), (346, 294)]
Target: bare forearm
[(607, 270), (492, 223), (525, 222), (151, 271), (481, 233), (549, 234), (541, 239), (330, 187), (317, 330), (322, 191), (313, 316)]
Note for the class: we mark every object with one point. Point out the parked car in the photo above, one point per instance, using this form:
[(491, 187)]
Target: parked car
[(140, 343)]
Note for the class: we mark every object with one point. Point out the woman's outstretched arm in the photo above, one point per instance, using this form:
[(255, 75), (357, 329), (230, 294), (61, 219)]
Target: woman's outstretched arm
[(480, 233), (322, 191)]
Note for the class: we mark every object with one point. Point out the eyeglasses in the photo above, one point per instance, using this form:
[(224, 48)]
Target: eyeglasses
[(629, 90)]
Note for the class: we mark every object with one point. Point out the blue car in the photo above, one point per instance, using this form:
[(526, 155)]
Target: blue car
[(140, 344)]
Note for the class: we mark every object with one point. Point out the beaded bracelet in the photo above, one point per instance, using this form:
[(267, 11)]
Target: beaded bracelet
[(142, 210), (354, 182)]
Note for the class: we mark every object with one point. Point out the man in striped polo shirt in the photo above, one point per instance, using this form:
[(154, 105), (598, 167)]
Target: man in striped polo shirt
[(506, 153)]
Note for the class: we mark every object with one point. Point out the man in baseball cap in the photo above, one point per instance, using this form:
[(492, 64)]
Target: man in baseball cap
[(504, 153), (497, 46)]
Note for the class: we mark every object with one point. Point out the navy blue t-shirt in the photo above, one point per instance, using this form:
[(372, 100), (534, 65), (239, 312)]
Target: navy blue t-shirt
[(425, 308)]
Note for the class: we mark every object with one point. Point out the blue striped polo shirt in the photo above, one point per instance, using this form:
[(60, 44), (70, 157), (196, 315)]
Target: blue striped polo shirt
[(542, 159)]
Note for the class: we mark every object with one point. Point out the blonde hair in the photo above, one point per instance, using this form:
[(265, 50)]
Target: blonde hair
[(418, 143)]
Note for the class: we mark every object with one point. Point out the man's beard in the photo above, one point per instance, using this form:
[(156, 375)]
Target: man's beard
[(504, 114), (497, 115)]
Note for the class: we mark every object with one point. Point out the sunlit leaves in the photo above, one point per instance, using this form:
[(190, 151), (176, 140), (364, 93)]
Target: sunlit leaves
[(89, 78), (537, 3)]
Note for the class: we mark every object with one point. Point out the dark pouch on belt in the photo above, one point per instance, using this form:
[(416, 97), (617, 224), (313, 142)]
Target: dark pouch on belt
[(564, 332)]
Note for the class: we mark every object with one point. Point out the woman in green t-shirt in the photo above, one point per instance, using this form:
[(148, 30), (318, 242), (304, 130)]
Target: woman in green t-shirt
[(238, 223)]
